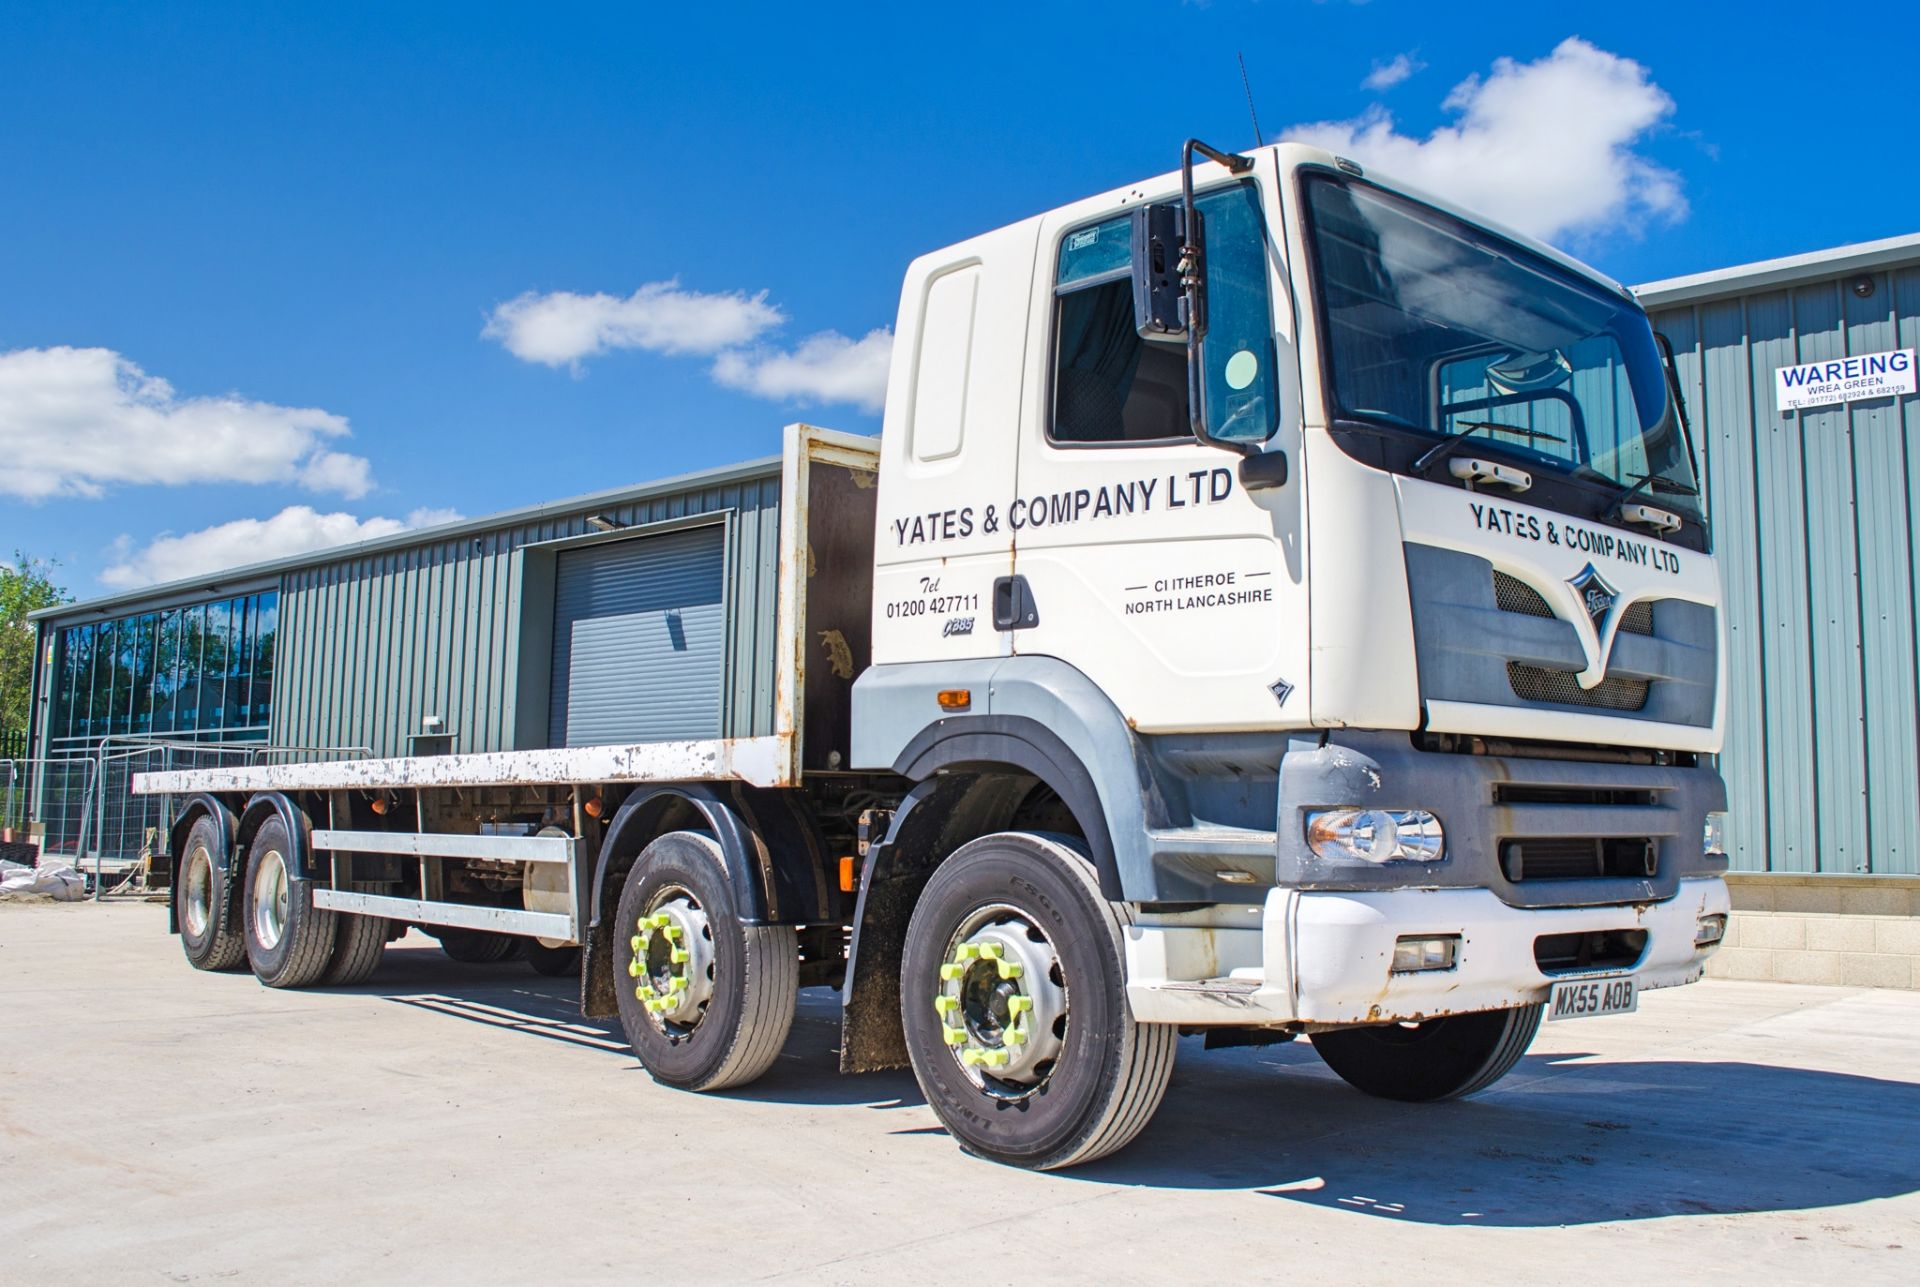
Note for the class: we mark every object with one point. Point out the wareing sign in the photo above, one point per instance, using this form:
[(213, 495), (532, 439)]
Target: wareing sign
[(1822, 384)]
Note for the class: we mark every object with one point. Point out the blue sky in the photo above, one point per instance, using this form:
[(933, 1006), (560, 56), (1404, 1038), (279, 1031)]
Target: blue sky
[(302, 221)]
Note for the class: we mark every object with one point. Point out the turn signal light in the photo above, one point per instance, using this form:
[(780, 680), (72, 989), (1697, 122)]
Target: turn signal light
[(955, 699), (849, 874)]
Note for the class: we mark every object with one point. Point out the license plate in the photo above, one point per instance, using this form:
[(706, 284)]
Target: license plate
[(1585, 998)]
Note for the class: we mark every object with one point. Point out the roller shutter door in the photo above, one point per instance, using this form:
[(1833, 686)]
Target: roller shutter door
[(638, 637)]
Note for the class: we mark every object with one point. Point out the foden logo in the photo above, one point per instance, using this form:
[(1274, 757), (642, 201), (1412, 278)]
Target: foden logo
[(1596, 596)]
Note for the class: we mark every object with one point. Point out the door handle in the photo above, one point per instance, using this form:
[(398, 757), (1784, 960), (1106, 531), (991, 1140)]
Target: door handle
[(1013, 607)]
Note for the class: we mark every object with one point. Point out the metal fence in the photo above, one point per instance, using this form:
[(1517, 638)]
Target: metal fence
[(86, 806)]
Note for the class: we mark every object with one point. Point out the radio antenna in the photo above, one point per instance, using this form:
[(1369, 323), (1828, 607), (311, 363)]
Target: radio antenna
[(1257, 140)]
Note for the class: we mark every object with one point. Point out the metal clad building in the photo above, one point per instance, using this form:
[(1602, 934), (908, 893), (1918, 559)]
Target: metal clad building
[(459, 625), (438, 640), (1813, 513)]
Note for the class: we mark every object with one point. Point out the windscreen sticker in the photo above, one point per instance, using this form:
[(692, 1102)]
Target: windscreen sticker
[(1595, 541)]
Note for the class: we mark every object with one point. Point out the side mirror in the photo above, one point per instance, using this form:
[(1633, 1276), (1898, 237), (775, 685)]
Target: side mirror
[(1159, 233)]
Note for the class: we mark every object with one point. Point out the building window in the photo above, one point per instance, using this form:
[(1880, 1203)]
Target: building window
[(202, 672)]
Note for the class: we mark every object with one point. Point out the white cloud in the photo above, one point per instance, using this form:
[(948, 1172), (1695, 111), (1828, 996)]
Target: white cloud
[(74, 422), (562, 328), (827, 367), (1390, 73), (1547, 147), (294, 530)]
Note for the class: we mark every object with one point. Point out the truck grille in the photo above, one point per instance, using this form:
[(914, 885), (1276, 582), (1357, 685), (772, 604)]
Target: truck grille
[(1538, 684), (1512, 594), (1578, 858)]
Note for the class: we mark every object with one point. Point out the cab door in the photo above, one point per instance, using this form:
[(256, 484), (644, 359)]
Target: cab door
[(947, 452), (1147, 563)]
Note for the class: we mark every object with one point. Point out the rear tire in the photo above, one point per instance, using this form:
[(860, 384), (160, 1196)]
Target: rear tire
[(1014, 1072), (474, 947), (706, 1002), (359, 943), (1444, 1058), (554, 962), (289, 940), (203, 902)]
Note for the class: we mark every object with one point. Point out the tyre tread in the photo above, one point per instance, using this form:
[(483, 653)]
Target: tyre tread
[(359, 943), (310, 932), (227, 945), (1150, 1047), (772, 988)]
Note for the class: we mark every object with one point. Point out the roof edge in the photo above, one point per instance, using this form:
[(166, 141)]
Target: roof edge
[(1786, 271), (236, 577)]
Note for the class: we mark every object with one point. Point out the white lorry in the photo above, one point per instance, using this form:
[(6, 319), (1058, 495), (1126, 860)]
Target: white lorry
[(1292, 614)]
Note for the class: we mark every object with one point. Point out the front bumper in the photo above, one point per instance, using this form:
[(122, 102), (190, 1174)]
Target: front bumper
[(1325, 958)]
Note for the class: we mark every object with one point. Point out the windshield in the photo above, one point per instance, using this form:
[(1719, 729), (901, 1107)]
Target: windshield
[(1437, 328)]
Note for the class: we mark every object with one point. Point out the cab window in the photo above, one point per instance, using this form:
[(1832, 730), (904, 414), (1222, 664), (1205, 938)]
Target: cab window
[(1112, 386)]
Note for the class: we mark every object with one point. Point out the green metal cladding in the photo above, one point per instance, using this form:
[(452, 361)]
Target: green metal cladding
[(372, 644), (1813, 515)]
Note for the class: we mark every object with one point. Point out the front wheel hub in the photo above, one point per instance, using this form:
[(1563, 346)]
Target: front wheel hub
[(672, 961), (1002, 1003)]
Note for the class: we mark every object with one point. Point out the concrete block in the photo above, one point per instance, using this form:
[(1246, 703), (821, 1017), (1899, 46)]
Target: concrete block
[(1876, 970), (1773, 930), (1841, 934), (1750, 963), (1750, 896), (1807, 898), (1876, 901), (1806, 967), (1899, 935)]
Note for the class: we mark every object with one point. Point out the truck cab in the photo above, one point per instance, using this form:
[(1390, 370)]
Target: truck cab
[(1368, 623), (1279, 606)]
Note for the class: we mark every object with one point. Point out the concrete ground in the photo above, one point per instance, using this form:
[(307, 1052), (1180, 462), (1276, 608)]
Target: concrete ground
[(461, 1123)]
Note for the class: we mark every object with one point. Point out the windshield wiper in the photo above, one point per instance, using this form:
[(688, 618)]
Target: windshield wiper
[(1649, 483), (1441, 450)]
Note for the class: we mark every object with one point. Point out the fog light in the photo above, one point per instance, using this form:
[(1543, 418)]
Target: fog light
[(1376, 835), (1412, 955), (1710, 930), (1715, 840)]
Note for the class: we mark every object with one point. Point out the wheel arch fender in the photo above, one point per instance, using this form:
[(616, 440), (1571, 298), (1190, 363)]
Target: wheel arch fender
[(987, 744), (273, 804), (197, 806), (775, 858)]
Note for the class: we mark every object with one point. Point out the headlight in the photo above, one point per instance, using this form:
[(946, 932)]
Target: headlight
[(1376, 835), (1715, 841)]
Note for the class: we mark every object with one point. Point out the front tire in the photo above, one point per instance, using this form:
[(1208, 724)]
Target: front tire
[(706, 1002), (1444, 1058), (1013, 997), (289, 940), (203, 903)]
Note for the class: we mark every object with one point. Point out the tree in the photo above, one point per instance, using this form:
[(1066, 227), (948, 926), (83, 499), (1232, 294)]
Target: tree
[(26, 585)]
